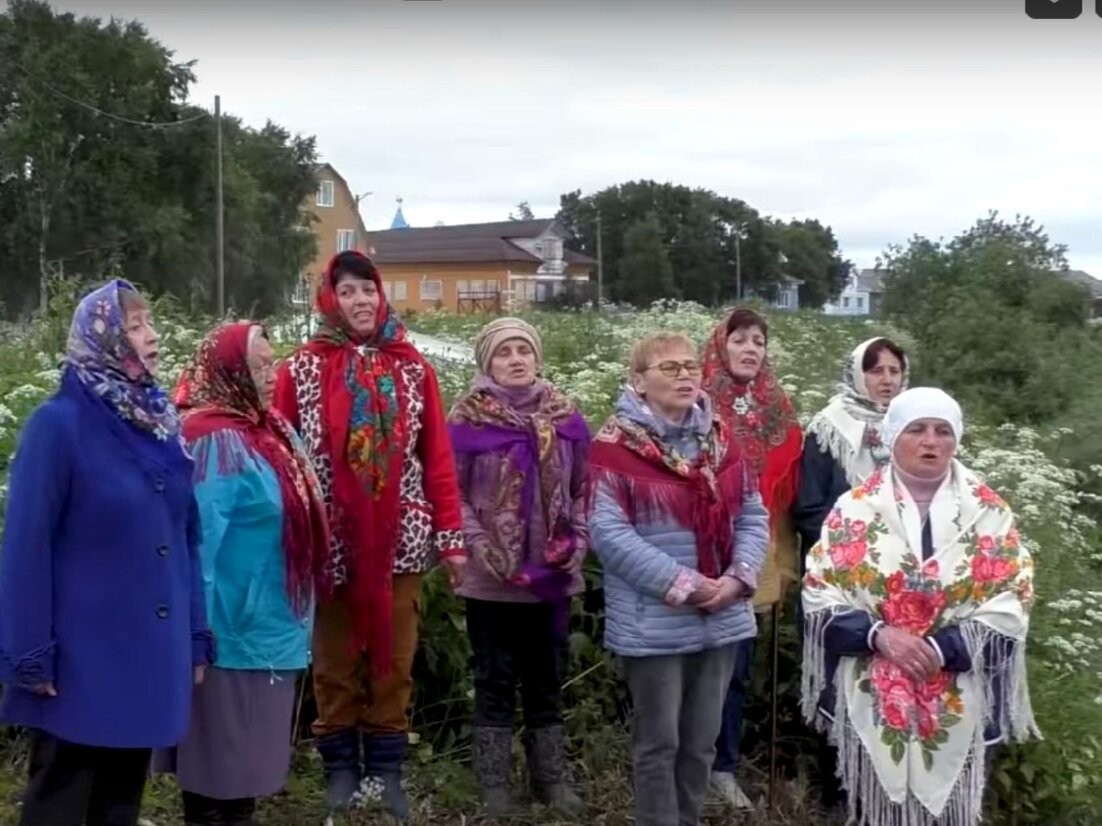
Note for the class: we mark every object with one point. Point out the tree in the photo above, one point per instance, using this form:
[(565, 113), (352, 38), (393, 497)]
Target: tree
[(87, 187), (645, 268), (993, 320), (523, 213)]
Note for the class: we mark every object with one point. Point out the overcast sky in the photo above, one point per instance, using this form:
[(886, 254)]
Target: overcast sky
[(881, 119)]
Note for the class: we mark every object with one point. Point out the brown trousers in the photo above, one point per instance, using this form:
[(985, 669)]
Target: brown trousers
[(346, 694)]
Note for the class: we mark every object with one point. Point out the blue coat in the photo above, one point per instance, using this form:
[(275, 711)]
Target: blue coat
[(100, 589), (641, 561), (244, 567)]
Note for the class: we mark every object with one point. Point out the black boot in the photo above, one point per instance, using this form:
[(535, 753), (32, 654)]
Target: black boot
[(340, 754), (239, 812), (493, 763), (202, 811), (546, 749), (384, 755)]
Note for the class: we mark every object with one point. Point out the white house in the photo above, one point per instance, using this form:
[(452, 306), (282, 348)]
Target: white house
[(861, 295)]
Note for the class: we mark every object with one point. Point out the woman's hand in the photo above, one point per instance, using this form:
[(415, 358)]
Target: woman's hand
[(728, 591), (457, 569), (911, 653), (705, 592), (44, 690), (199, 674)]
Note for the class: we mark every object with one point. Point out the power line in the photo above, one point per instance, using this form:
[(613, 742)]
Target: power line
[(98, 111)]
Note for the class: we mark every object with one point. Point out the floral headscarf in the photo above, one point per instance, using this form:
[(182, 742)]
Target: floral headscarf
[(101, 356)]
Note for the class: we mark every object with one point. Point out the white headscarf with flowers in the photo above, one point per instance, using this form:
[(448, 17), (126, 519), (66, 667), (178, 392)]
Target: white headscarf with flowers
[(913, 753)]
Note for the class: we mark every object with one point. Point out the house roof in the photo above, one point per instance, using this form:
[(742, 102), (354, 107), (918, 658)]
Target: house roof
[(1085, 279), (464, 243), (870, 281)]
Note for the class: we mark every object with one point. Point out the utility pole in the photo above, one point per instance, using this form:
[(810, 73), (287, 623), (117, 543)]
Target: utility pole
[(356, 231), (600, 265), (219, 211), (738, 266)]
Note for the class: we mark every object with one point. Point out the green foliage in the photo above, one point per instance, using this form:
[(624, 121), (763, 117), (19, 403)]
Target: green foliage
[(646, 265), (86, 192), (704, 236)]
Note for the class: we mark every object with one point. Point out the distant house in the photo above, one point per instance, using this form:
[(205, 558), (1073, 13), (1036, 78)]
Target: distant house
[(861, 296), (338, 227), (1093, 285), (784, 295), (477, 266)]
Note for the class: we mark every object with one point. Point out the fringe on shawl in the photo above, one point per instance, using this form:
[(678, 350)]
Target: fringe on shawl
[(831, 440), (869, 805)]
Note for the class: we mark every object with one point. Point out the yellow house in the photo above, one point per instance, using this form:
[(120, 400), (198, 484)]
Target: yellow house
[(337, 226), (492, 266)]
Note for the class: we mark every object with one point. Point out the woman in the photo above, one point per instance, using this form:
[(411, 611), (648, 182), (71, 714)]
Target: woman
[(103, 627), (745, 393), (681, 530), (917, 601), (368, 408), (263, 550), (521, 451), (844, 445)]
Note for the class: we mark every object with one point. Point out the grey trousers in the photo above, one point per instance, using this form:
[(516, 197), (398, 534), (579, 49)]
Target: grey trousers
[(678, 703)]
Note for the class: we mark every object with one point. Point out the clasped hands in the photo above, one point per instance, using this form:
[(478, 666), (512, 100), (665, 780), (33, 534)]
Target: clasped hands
[(713, 595), (913, 654)]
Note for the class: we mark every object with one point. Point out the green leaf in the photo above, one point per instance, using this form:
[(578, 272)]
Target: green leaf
[(865, 686), (898, 751), (928, 760)]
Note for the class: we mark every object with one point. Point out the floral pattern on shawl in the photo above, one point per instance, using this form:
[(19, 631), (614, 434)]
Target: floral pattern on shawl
[(102, 357), (903, 743), (531, 474)]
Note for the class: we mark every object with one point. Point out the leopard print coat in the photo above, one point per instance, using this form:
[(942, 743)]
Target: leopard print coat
[(431, 521)]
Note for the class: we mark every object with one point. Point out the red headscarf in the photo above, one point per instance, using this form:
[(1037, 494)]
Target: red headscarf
[(364, 413), (761, 419), (216, 393)]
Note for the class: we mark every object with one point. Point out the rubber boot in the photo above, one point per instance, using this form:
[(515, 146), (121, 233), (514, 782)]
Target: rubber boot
[(546, 748), (384, 755), (340, 755), (239, 812), (493, 764), (202, 811)]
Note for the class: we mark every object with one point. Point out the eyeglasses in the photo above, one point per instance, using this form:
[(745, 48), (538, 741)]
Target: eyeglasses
[(672, 369)]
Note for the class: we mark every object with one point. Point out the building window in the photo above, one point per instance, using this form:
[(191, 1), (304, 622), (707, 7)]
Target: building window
[(432, 290), (860, 302), (346, 239), (845, 301), (325, 193), (401, 293)]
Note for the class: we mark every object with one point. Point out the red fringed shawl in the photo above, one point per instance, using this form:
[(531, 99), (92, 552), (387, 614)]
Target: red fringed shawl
[(216, 393), (762, 421), (650, 481)]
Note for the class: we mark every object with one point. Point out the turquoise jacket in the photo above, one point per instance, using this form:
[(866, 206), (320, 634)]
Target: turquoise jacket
[(244, 571)]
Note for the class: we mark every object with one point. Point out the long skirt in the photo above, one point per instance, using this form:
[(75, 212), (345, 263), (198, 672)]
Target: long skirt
[(239, 741)]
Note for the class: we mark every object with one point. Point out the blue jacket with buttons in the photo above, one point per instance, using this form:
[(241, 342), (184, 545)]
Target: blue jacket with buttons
[(100, 589), (641, 561)]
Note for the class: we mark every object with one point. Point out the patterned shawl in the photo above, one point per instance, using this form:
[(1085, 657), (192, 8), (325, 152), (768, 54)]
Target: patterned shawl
[(761, 420), (849, 426), (364, 415), (914, 753), (216, 393), (101, 356), (484, 421), (652, 480)]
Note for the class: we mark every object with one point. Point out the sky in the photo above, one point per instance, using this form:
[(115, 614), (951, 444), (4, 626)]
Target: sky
[(883, 120)]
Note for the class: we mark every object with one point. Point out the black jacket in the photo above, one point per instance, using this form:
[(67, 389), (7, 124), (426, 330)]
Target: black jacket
[(822, 482)]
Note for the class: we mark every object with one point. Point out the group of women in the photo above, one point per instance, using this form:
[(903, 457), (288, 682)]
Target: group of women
[(171, 566)]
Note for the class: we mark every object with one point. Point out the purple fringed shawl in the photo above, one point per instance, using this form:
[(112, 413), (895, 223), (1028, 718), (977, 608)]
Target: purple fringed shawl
[(524, 428)]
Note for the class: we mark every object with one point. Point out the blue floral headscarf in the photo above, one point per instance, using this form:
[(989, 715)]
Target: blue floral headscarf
[(102, 358)]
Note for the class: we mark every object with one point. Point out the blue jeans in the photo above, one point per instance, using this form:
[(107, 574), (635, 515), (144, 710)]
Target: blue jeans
[(727, 745)]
